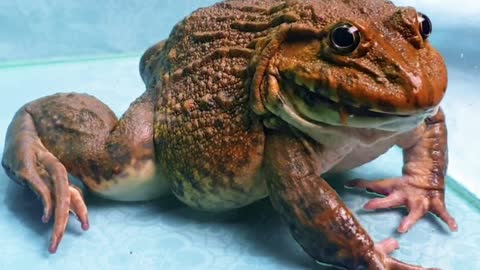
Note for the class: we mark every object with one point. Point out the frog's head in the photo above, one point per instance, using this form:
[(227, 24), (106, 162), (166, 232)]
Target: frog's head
[(364, 65)]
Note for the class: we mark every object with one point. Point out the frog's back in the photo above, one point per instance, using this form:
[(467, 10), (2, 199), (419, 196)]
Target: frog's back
[(208, 29)]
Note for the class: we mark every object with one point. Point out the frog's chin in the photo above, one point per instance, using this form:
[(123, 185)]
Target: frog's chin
[(317, 110)]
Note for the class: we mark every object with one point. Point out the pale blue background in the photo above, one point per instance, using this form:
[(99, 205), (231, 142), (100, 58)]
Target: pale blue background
[(91, 46)]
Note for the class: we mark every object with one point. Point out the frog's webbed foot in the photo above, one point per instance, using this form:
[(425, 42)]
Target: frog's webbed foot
[(27, 161), (402, 191)]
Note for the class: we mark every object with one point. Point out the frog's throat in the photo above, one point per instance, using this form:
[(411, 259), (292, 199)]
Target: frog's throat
[(284, 101)]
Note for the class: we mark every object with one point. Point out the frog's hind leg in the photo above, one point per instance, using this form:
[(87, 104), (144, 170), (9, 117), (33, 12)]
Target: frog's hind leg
[(77, 134)]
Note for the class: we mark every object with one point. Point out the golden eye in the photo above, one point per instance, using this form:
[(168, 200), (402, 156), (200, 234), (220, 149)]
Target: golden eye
[(425, 25), (345, 38)]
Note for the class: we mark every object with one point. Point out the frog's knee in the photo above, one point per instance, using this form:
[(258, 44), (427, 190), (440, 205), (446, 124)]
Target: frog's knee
[(71, 126), (69, 103)]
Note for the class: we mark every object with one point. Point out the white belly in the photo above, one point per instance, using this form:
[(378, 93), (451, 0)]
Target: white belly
[(338, 153), (363, 154)]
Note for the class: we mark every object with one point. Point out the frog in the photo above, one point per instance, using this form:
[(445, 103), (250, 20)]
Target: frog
[(249, 99)]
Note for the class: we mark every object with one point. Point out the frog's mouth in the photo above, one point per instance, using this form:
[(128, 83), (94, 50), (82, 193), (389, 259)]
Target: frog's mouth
[(321, 109)]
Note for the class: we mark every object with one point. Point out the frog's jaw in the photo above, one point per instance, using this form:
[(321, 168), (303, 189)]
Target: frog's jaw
[(318, 116), (316, 108)]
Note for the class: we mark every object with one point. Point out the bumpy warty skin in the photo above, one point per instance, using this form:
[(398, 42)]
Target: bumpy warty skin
[(206, 133)]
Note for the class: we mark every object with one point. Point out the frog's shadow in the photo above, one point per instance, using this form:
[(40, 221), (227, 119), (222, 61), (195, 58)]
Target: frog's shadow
[(23, 204), (258, 226), (258, 223)]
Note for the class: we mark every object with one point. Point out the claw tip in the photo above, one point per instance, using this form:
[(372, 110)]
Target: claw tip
[(45, 219), (85, 226), (368, 207), (52, 249)]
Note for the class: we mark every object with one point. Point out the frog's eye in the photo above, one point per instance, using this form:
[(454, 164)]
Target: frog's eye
[(425, 25), (345, 38)]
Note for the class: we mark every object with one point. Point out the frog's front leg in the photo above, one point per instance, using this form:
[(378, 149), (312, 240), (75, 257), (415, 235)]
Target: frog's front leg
[(80, 135), (316, 216), (422, 186)]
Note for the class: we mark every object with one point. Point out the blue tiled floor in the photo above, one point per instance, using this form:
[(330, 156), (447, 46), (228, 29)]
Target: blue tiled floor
[(165, 234)]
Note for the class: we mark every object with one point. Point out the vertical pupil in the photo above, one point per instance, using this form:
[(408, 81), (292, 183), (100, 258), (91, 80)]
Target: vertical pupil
[(343, 37)]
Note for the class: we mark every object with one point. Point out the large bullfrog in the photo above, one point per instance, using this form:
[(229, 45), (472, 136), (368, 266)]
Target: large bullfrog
[(249, 99)]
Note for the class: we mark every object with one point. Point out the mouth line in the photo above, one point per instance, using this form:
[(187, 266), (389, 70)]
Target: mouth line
[(302, 105), (314, 98)]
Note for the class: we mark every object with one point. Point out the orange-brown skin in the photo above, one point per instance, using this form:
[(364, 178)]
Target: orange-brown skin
[(234, 112)]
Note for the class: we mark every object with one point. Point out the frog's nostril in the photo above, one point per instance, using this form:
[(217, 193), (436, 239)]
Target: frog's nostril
[(405, 76), (393, 78), (416, 83)]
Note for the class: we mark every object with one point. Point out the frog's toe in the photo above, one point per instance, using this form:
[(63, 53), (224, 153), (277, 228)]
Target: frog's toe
[(420, 204), (392, 200), (400, 192), (387, 246), (383, 187), (78, 207), (67, 198), (72, 202), (386, 187), (440, 210)]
